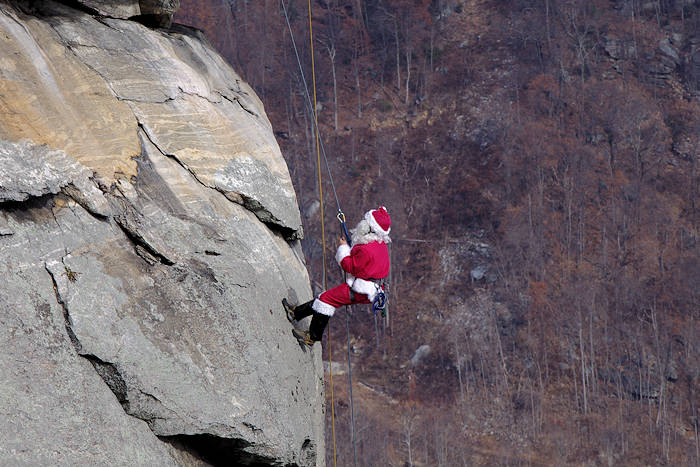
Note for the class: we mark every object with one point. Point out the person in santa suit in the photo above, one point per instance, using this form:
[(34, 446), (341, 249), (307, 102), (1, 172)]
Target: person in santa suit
[(366, 264)]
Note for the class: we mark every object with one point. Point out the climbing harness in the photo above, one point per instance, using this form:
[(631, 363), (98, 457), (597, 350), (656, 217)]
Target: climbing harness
[(379, 302)]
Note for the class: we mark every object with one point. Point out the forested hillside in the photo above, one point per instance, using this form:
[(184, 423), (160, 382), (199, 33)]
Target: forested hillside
[(539, 159)]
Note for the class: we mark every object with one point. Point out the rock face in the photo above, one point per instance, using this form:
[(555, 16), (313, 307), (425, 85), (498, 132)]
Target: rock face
[(154, 12), (148, 232)]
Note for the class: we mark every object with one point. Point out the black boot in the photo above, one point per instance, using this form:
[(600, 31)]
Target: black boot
[(299, 312), (315, 332), (317, 326), (303, 337)]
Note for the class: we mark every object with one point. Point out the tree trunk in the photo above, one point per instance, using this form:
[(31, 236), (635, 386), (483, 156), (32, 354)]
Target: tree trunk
[(398, 55), (408, 71), (356, 58), (331, 55)]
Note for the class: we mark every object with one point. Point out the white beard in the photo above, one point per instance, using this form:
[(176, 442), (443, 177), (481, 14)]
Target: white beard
[(362, 234)]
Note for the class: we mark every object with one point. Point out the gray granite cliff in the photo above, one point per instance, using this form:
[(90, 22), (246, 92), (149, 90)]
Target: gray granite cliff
[(148, 232)]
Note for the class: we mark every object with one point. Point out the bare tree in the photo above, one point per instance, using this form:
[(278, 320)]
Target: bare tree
[(330, 48), (356, 73), (409, 423), (409, 52)]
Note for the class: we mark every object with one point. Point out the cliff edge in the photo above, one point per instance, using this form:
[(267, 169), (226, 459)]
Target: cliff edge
[(148, 232)]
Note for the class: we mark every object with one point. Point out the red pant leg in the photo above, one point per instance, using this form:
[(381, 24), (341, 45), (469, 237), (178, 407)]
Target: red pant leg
[(336, 297)]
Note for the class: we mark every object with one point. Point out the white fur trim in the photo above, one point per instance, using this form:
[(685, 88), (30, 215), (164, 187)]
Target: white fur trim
[(371, 237), (374, 225), (323, 308), (342, 253), (368, 288), (349, 280)]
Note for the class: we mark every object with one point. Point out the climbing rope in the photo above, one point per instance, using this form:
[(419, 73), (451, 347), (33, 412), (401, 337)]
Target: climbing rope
[(352, 406), (323, 228), (320, 149), (319, 143), (312, 108)]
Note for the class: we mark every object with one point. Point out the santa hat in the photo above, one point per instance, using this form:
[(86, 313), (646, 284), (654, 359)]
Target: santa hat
[(379, 220)]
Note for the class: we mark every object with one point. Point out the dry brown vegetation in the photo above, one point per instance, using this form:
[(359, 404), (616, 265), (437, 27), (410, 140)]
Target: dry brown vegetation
[(555, 143)]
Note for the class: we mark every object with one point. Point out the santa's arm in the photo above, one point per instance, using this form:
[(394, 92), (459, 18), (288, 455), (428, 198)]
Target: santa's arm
[(342, 253), (352, 260)]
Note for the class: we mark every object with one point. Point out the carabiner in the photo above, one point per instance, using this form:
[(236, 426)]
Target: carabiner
[(341, 218)]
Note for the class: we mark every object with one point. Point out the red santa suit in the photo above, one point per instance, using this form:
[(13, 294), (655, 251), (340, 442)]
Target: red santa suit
[(365, 262)]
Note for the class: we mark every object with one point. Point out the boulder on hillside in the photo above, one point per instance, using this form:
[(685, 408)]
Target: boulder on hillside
[(693, 63)]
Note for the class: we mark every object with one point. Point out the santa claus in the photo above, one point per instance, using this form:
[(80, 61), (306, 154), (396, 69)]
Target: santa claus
[(366, 264)]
